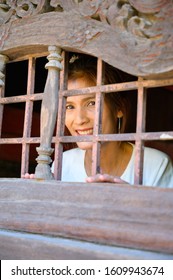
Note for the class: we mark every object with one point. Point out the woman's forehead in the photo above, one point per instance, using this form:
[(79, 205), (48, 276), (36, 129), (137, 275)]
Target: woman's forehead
[(81, 82), (81, 98)]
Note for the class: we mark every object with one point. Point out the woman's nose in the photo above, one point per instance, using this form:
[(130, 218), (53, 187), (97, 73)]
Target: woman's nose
[(80, 116)]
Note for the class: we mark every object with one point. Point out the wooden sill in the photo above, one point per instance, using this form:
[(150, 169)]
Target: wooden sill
[(130, 217)]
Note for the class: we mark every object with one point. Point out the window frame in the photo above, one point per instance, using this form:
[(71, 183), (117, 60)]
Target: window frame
[(141, 85)]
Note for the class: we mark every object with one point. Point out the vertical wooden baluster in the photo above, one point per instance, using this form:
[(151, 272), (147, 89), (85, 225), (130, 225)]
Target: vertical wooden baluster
[(48, 114), (3, 60)]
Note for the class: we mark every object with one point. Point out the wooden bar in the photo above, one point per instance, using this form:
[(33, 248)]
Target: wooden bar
[(163, 135), (21, 98), (61, 118), (1, 109), (127, 86), (140, 127), (96, 149), (28, 116)]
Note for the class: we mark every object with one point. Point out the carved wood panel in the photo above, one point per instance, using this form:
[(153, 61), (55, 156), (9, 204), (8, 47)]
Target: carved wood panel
[(134, 36)]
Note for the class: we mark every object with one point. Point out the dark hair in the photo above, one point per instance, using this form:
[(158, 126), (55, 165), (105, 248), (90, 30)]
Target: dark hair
[(82, 65)]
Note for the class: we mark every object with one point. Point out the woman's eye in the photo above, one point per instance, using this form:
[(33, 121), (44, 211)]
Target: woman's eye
[(91, 103), (69, 107)]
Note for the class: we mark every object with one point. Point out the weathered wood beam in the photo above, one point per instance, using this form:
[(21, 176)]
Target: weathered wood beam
[(112, 214), (20, 245)]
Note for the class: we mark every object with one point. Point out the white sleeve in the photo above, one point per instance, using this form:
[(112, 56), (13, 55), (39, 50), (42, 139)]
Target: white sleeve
[(165, 174), (158, 169)]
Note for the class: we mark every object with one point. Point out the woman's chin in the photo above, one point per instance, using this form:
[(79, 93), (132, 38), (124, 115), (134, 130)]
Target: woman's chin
[(84, 145)]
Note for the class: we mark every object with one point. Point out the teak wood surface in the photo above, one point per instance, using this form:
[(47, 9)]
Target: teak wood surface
[(134, 36), (131, 217)]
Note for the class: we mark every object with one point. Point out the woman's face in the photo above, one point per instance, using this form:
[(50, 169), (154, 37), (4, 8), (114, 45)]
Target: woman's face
[(80, 113)]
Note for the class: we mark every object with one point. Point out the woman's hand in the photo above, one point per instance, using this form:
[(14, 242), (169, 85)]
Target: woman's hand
[(28, 176), (105, 178)]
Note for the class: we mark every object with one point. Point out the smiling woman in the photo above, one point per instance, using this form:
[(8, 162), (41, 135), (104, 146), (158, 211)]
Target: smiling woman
[(116, 157)]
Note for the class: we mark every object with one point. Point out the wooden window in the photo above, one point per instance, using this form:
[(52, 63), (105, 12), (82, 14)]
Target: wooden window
[(129, 35), (30, 96)]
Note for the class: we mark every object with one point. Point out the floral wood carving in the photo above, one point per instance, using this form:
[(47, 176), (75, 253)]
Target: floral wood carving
[(140, 30), (11, 10)]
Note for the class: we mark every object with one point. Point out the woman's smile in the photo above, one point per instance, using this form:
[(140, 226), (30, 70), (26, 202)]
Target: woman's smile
[(85, 131)]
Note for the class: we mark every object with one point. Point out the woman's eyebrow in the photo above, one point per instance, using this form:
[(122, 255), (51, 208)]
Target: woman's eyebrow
[(89, 97), (84, 99)]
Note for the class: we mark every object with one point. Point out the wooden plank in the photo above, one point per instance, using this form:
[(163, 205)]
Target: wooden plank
[(134, 217), (19, 245)]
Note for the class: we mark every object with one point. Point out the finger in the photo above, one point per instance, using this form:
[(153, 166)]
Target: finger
[(104, 178), (100, 178), (26, 176), (32, 176), (113, 179), (119, 180), (92, 179)]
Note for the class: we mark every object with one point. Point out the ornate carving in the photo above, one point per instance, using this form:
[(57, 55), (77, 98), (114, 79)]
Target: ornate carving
[(64, 5), (148, 6), (140, 30), (137, 18), (3, 61), (11, 10), (140, 24), (79, 37)]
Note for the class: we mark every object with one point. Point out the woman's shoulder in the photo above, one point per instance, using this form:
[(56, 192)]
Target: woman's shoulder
[(158, 165), (158, 168), (152, 154)]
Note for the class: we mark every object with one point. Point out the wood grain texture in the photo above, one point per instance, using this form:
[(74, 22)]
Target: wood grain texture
[(133, 217), (134, 36), (18, 245)]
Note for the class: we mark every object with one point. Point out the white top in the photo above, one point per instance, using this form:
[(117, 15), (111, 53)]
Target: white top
[(158, 168)]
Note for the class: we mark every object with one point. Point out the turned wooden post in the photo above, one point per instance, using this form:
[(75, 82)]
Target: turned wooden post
[(3, 60), (48, 114)]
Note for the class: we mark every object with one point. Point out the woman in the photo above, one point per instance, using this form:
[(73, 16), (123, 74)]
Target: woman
[(117, 158)]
